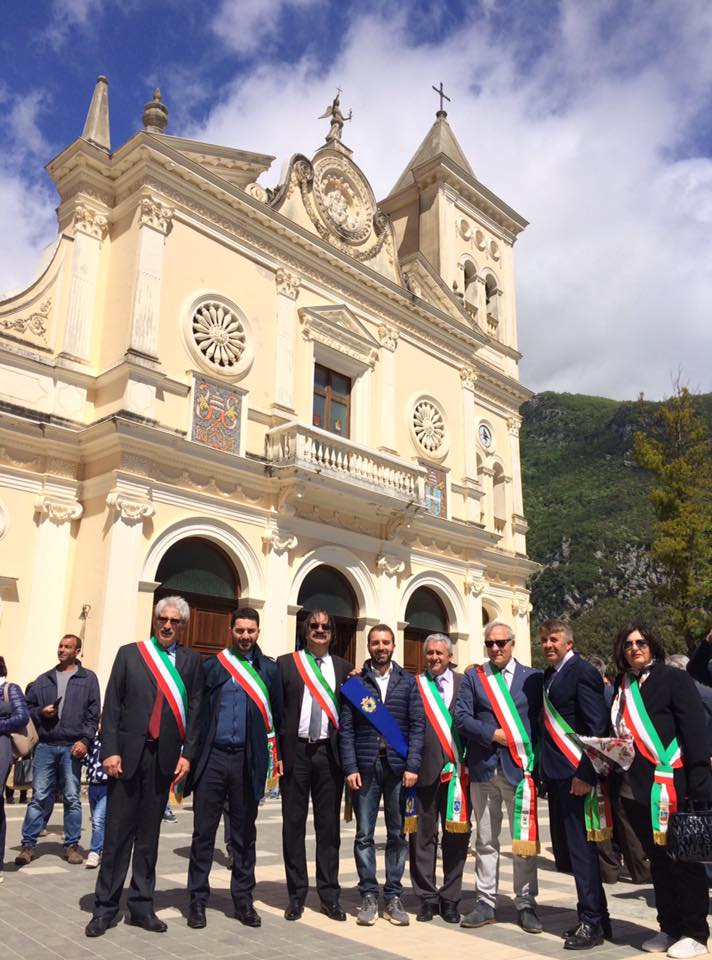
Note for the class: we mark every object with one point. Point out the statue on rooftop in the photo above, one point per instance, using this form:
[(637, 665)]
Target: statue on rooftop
[(337, 119)]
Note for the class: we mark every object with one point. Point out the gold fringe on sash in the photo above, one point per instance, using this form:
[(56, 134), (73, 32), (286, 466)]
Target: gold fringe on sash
[(660, 837), (410, 824), (525, 848), (605, 834), (457, 826)]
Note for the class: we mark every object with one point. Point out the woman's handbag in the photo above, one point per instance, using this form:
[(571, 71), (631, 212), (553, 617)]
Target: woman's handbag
[(25, 740), (689, 834)]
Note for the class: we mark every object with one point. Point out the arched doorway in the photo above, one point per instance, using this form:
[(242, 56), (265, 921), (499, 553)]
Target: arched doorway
[(327, 589), (424, 614), (201, 572)]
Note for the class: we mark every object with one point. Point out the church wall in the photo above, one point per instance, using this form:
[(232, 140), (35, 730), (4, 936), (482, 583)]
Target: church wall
[(117, 292)]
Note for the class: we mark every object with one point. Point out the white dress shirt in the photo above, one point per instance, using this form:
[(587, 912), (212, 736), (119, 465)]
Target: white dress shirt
[(327, 669), (446, 681), (382, 680)]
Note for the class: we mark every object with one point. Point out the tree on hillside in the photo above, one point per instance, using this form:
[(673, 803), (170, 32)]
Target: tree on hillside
[(677, 449)]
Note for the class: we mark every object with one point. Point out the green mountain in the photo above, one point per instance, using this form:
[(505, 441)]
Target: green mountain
[(590, 520)]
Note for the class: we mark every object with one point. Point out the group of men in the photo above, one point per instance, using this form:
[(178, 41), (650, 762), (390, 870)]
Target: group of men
[(427, 747)]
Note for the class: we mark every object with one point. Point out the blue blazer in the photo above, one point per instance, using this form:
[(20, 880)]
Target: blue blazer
[(577, 693), (476, 722)]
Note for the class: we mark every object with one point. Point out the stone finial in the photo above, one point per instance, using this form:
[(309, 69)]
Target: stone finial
[(155, 114), (96, 125)]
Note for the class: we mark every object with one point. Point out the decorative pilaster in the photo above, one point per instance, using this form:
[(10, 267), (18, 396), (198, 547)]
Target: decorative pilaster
[(388, 338), (521, 609), (287, 284), (278, 544), (474, 588), (154, 224), (390, 568), (468, 378), (90, 229), (519, 524)]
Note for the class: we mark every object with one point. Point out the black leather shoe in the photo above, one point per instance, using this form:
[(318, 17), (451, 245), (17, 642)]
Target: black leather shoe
[(293, 911), (605, 927), (150, 922), (449, 911), (248, 916), (528, 920), (196, 916), (333, 910), (98, 926), (427, 912), (584, 937)]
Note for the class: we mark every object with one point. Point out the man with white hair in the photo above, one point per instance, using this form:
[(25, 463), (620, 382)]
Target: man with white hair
[(149, 737), (442, 790), (497, 712)]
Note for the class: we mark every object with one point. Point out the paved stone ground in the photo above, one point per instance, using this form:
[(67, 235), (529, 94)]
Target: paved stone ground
[(45, 906)]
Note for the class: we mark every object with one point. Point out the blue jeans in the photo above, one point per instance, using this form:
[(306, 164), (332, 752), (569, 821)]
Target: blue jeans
[(97, 808), (379, 782), (54, 767)]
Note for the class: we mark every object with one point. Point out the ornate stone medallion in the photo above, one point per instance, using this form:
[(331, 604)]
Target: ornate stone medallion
[(218, 334), (429, 426), (342, 198)]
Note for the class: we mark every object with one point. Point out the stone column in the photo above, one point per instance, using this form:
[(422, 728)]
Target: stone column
[(277, 632), (124, 552), (519, 524), (285, 347), (388, 337), (390, 567), (521, 608), (154, 224), (487, 481), (469, 427), (474, 587), (90, 228), (48, 591)]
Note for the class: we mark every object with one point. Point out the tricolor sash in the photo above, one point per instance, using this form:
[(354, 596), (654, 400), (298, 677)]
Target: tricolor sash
[(168, 679), (454, 772), (379, 716), (525, 831), (663, 797), (317, 684), (596, 806), (242, 672)]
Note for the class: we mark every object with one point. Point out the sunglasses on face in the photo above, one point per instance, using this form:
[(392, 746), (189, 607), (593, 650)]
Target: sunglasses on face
[(174, 621), (641, 644), (320, 626), (501, 644)]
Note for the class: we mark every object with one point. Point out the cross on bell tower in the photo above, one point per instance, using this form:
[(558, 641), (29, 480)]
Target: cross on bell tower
[(443, 96)]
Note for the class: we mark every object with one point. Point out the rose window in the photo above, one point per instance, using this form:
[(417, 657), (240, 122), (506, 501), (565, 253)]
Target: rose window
[(428, 426), (218, 334)]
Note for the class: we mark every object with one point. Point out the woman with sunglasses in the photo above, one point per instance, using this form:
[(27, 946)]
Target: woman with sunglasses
[(660, 708)]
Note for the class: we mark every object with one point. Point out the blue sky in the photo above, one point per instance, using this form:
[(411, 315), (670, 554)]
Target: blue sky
[(593, 118)]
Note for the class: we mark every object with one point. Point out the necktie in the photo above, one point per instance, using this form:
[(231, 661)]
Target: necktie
[(154, 722), (316, 711), (440, 684)]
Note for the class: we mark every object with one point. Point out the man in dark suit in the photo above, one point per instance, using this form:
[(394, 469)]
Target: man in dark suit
[(432, 801), (242, 709), (494, 774), (149, 738), (575, 691), (310, 755), (375, 771)]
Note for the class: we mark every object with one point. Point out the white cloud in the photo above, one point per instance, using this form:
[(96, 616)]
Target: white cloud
[(27, 217), (244, 25)]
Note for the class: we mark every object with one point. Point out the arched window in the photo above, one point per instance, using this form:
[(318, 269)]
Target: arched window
[(327, 589), (470, 272), (424, 614), (199, 571), (499, 499), (492, 304)]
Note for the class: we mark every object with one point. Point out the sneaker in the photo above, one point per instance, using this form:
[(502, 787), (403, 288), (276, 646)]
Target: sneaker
[(658, 944), (687, 947), (44, 832), (395, 912), (92, 860), (368, 911), (25, 856), (72, 854), (481, 915), (170, 816)]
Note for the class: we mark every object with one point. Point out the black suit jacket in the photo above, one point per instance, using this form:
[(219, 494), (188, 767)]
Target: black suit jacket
[(676, 710), (293, 691), (129, 699), (215, 676), (433, 755), (577, 693)]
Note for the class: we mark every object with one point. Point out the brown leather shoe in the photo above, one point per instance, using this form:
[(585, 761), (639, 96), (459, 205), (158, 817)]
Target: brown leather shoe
[(72, 854), (25, 856)]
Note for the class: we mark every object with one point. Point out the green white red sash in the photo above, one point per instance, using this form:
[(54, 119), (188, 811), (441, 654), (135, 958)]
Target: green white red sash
[(596, 806), (454, 772), (663, 796), (525, 832), (317, 684), (242, 672), (168, 679)]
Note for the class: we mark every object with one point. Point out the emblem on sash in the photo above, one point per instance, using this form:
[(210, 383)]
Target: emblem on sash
[(368, 704), (409, 805)]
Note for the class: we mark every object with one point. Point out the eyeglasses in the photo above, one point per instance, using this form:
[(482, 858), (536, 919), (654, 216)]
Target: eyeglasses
[(496, 643), (320, 626), (174, 621), (641, 644)]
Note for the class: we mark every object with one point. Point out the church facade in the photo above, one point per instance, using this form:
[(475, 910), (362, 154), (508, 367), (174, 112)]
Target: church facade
[(287, 398)]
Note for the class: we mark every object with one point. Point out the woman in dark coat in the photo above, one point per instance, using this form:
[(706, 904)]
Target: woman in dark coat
[(13, 717), (660, 708)]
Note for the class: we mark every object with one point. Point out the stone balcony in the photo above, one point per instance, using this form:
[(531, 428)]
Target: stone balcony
[(315, 451)]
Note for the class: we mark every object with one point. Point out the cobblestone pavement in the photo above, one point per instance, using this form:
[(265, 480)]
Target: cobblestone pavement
[(45, 906)]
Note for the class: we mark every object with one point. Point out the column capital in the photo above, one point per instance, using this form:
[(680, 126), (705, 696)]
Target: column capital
[(388, 337), (288, 283), (130, 509), (154, 213), (468, 378), (390, 564), (474, 584), (58, 510), (513, 425), (274, 543), (89, 221)]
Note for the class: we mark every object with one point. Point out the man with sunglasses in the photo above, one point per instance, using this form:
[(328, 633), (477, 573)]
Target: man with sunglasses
[(311, 678), (149, 738), (497, 711)]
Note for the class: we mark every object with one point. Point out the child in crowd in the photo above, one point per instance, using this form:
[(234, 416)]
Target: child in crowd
[(97, 781)]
